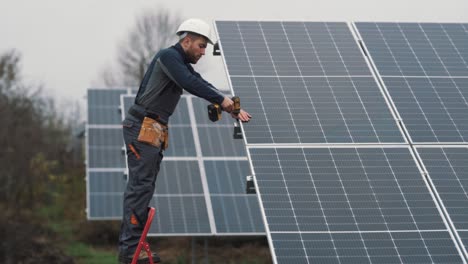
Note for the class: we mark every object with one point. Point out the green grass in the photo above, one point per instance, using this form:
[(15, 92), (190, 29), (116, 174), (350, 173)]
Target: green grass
[(86, 254), (81, 252)]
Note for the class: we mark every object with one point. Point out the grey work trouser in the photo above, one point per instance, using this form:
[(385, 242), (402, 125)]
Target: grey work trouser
[(143, 169)]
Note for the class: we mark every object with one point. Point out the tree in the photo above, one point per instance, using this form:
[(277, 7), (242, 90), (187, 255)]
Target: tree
[(154, 29), (33, 138)]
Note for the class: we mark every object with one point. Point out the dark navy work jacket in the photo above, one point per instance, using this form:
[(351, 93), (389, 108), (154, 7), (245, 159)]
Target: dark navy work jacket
[(167, 76)]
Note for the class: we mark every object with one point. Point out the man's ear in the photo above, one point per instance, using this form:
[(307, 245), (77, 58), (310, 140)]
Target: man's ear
[(186, 42)]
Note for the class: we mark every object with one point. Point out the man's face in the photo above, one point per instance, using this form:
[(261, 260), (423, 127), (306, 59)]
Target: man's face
[(196, 49)]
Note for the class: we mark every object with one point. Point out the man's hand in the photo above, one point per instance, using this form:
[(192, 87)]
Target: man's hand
[(227, 104), (242, 116)]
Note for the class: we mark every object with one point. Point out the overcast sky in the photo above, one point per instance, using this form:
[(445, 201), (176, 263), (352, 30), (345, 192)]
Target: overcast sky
[(65, 44)]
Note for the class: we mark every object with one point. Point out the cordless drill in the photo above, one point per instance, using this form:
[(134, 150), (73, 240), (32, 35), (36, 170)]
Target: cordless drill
[(215, 110)]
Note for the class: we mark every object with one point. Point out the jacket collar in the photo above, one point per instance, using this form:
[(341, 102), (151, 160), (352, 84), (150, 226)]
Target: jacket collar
[(179, 48)]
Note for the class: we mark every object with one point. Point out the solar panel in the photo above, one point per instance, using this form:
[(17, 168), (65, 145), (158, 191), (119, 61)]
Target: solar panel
[(104, 206), (107, 182), (180, 215), (304, 82), (433, 109), (237, 214), (105, 190), (447, 168), (105, 148), (222, 176), (464, 237), (179, 177), (101, 106), (290, 49), (424, 67), (349, 205), (378, 247), (234, 210), (417, 49)]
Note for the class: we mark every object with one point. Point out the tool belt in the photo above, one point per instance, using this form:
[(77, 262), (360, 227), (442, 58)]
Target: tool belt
[(154, 133)]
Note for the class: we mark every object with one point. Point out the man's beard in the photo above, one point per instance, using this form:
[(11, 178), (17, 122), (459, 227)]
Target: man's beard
[(192, 58)]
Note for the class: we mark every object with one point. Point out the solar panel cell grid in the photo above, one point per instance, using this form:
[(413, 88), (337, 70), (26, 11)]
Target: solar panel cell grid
[(179, 178), (308, 83), (105, 205), (433, 109), (226, 177), (417, 49), (393, 247), (464, 237), (103, 106), (424, 67), (448, 169), (234, 210), (315, 110), (180, 215), (105, 148), (106, 182), (290, 49), (334, 189), (349, 205), (237, 214)]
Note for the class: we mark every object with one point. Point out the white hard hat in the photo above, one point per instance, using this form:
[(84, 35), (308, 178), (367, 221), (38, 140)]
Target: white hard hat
[(197, 26)]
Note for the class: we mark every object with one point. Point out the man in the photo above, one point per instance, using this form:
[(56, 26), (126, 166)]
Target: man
[(145, 128)]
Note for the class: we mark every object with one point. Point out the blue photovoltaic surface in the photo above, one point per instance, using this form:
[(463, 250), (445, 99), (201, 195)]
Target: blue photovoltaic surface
[(358, 248), (105, 148), (448, 169), (464, 236), (304, 82), (234, 210), (105, 193), (180, 215), (308, 82), (433, 109), (424, 67), (102, 108), (267, 48), (335, 205), (417, 49)]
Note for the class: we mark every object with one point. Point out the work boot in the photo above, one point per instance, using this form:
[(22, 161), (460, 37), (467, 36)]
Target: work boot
[(142, 258)]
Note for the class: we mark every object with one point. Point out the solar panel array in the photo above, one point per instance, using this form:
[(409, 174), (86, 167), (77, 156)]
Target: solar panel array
[(424, 69), (305, 83), (366, 196), (200, 188), (331, 140)]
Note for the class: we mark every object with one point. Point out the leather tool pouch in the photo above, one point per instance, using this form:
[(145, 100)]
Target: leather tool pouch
[(154, 133)]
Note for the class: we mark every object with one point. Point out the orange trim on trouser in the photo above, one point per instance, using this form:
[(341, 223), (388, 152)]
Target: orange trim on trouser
[(133, 220), (132, 148)]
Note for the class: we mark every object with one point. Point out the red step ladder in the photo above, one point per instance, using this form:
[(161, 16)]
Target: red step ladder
[(142, 243)]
